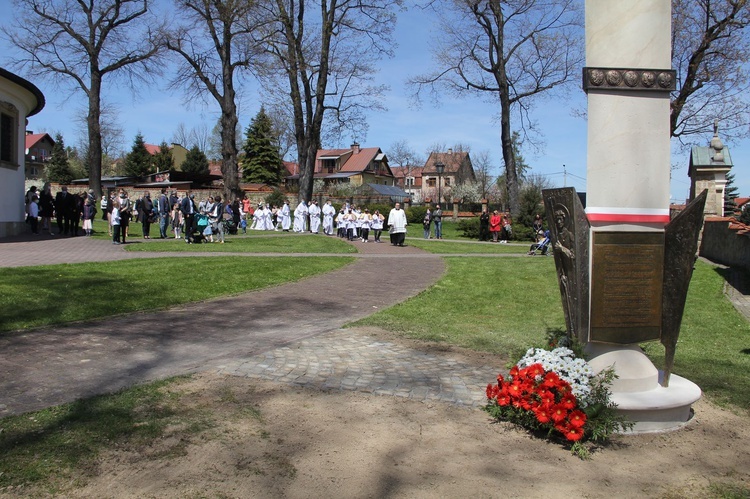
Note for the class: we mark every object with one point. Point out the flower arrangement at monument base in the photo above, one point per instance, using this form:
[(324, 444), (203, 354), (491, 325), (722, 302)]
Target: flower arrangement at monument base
[(556, 393)]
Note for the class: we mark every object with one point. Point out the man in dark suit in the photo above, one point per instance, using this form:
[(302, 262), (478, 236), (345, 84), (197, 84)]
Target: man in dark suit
[(64, 207), (189, 209), (163, 209)]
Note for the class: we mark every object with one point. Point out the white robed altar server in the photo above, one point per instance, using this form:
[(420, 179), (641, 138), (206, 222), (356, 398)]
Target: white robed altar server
[(314, 212), (328, 212), (300, 217), (286, 218)]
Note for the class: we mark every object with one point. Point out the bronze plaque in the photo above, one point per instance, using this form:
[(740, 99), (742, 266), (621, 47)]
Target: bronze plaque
[(627, 271)]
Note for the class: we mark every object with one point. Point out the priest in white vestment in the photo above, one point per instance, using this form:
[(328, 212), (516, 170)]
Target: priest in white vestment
[(397, 225)]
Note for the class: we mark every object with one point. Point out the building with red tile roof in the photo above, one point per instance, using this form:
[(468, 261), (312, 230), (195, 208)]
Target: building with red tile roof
[(38, 152), (356, 165), (409, 178), (457, 170)]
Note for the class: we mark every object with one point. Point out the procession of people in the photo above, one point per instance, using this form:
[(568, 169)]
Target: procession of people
[(208, 219)]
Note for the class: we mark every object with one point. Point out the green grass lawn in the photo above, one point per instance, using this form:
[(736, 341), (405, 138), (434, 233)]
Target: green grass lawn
[(54, 294), (451, 247), (505, 306), (492, 305), (252, 242), (261, 243)]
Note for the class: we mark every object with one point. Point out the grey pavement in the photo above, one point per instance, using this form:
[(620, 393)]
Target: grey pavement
[(289, 333)]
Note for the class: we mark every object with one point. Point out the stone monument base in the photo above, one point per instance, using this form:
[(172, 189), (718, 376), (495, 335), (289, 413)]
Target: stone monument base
[(639, 392)]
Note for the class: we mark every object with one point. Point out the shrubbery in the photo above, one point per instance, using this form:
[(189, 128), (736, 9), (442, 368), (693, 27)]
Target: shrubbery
[(469, 227), (415, 214)]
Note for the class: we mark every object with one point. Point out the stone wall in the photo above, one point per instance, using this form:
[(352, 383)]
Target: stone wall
[(726, 242)]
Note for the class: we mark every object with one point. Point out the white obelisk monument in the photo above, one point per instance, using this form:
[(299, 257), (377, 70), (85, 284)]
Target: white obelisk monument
[(628, 79)]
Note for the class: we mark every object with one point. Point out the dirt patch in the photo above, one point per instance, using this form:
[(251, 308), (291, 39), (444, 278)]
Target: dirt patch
[(263, 439)]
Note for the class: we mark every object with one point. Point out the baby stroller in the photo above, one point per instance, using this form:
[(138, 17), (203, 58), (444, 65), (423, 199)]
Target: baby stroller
[(229, 226), (201, 222), (541, 246)]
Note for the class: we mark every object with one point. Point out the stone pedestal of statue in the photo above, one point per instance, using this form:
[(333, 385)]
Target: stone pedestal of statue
[(639, 391)]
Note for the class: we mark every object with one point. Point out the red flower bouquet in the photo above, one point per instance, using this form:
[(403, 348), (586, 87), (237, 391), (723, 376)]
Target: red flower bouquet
[(558, 393), (543, 394)]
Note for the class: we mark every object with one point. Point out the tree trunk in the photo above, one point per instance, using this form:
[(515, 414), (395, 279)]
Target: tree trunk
[(229, 147), (506, 139), (93, 122)]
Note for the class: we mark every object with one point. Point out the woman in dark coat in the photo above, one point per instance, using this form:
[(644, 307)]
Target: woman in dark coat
[(145, 214), (484, 226), (46, 207)]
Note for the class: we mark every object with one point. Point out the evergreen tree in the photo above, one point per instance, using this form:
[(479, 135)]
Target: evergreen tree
[(138, 161), (58, 169), (730, 194), (163, 160), (195, 162), (262, 163), (745, 215)]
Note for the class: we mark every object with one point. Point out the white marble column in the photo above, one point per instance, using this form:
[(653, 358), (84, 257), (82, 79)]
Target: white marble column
[(628, 160), (628, 78)]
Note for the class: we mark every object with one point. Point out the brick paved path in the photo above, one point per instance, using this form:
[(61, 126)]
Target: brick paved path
[(289, 333)]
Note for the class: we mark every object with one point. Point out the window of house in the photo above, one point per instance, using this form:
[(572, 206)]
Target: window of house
[(7, 139), (329, 165), (409, 181), (431, 182)]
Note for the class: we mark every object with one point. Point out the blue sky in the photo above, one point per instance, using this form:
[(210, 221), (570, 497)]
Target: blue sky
[(157, 112)]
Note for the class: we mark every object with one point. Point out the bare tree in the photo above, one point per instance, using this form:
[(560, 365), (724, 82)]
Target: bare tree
[(112, 133), (81, 42), (321, 61), (483, 168), (513, 50), (215, 42), (182, 136), (197, 136), (710, 52), (402, 155)]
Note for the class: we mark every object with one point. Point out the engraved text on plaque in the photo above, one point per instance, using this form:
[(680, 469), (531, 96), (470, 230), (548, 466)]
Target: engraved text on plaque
[(626, 286)]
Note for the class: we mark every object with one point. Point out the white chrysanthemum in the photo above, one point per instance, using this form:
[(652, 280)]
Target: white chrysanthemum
[(561, 360)]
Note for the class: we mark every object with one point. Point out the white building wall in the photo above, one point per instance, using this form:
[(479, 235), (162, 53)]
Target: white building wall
[(20, 101)]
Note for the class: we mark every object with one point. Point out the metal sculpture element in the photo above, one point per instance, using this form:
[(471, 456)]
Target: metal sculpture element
[(626, 79), (681, 244), (569, 231)]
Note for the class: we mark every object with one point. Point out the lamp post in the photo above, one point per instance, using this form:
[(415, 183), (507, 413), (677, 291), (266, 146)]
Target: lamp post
[(439, 168)]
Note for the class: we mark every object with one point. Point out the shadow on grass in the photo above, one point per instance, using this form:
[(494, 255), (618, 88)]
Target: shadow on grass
[(41, 296), (54, 441), (739, 279)]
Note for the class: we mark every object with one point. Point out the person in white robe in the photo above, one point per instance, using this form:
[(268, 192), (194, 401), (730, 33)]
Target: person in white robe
[(341, 224), (314, 212), (267, 218), (397, 225), (377, 225), (286, 218), (256, 218), (300, 217), (328, 212)]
